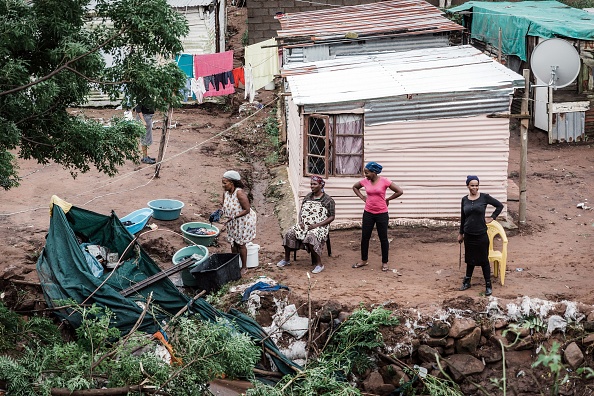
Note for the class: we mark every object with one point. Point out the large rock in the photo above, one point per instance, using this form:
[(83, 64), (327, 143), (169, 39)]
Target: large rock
[(522, 359), (470, 342), (435, 342), (588, 325), (489, 353), (438, 330), (427, 354), (392, 374), (374, 383), (573, 355), (588, 340), (462, 365), (461, 327), (329, 312)]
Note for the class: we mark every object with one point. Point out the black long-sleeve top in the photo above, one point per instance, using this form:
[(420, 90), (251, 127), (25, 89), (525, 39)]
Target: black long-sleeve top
[(472, 218)]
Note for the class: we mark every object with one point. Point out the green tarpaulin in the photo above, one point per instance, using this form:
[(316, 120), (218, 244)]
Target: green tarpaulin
[(65, 275), (517, 20)]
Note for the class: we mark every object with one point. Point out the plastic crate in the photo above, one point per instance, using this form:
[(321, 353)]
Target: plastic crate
[(218, 269)]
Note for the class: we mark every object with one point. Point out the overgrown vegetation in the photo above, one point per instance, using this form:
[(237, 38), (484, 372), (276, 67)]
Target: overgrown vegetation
[(347, 351), (100, 358), (14, 330), (271, 127)]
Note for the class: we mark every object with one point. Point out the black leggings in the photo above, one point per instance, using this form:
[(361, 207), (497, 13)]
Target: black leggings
[(476, 252), (369, 220)]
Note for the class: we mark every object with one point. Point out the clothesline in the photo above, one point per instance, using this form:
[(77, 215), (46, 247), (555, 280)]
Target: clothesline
[(214, 75)]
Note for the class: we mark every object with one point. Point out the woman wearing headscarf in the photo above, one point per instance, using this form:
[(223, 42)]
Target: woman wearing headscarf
[(241, 223), (315, 216), (376, 210), (473, 231)]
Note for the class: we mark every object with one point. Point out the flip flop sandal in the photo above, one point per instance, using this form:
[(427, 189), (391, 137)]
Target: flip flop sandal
[(359, 265), (385, 267)]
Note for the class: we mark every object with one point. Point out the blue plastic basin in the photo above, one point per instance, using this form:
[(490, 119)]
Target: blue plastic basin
[(166, 209), (184, 253), (138, 218)]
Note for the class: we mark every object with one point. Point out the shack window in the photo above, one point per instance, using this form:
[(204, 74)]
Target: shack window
[(334, 145)]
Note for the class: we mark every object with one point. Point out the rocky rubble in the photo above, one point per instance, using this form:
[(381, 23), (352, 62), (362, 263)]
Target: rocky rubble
[(474, 349)]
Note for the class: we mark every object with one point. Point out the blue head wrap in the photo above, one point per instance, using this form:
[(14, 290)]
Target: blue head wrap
[(374, 167), (470, 178)]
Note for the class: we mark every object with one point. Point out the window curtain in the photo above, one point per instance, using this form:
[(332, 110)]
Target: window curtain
[(348, 134)]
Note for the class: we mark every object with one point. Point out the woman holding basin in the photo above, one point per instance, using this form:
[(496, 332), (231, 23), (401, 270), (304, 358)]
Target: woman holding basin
[(241, 223)]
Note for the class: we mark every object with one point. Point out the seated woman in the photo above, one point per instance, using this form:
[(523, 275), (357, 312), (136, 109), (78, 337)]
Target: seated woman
[(315, 215)]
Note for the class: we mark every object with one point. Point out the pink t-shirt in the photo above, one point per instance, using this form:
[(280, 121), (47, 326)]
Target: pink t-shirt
[(376, 195)]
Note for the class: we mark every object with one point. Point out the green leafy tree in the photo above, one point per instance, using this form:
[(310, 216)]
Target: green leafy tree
[(52, 56)]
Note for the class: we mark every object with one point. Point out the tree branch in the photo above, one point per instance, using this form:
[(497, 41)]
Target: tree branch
[(64, 66), (96, 81)]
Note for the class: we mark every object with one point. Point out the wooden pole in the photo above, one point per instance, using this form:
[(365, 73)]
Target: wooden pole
[(164, 132), (550, 113), (524, 145), (499, 47)]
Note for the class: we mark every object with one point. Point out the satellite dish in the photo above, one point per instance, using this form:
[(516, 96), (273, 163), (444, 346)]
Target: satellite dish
[(555, 62)]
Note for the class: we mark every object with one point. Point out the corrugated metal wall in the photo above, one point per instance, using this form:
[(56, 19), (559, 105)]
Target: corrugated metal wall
[(334, 50), (295, 148), (568, 127), (394, 44), (429, 159), (425, 106), (202, 36)]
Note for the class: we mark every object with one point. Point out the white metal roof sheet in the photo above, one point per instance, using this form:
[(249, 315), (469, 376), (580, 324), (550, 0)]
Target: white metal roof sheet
[(448, 69)]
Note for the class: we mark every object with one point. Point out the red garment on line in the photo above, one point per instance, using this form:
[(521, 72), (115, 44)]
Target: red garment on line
[(238, 76)]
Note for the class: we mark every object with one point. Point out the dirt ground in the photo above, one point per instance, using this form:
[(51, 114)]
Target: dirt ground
[(550, 257)]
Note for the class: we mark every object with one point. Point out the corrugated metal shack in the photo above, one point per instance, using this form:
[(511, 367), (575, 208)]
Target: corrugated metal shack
[(523, 26), (422, 114), (387, 26), (207, 22)]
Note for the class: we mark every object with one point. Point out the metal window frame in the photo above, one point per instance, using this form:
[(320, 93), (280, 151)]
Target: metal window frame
[(306, 135)]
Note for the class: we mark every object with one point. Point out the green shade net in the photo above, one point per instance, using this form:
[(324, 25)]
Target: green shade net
[(517, 20), (65, 275)]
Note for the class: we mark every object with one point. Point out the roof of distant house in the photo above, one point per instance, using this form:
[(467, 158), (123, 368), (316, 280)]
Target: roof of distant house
[(517, 20), (394, 17)]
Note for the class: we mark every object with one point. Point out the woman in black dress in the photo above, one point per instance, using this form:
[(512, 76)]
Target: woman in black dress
[(473, 231)]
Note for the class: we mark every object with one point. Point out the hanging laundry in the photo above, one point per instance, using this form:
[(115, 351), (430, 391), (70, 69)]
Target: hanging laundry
[(223, 79), (250, 92), (186, 63), (238, 76), (264, 62), (198, 89), (211, 65)]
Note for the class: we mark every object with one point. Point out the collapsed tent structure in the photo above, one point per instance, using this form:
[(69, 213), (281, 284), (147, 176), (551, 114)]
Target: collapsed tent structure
[(65, 276)]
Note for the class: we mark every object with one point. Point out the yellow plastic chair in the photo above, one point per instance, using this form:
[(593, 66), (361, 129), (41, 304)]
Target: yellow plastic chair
[(498, 258)]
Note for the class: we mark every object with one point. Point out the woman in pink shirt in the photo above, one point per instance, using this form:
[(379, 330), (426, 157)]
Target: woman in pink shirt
[(376, 210)]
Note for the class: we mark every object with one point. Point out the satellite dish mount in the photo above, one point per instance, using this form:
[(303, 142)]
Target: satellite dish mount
[(556, 61)]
